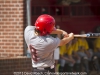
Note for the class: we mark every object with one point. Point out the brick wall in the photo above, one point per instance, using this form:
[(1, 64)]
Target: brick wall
[(11, 27), (15, 66)]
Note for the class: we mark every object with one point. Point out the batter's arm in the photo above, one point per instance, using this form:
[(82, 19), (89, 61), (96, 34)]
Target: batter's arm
[(59, 31), (65, 40)]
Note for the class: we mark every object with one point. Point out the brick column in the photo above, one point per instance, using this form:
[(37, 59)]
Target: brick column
[(11, 27)]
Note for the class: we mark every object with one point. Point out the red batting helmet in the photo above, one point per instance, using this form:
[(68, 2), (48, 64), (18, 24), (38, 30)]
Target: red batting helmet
[(45, 24)]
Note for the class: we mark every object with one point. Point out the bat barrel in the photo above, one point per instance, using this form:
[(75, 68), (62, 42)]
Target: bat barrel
[(89, 35)]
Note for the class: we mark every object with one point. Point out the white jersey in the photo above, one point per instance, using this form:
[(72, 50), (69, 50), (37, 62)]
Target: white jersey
[(45, 46)]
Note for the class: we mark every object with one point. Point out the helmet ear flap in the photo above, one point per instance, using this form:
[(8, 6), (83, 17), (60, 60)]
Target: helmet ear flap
[(45, 32)]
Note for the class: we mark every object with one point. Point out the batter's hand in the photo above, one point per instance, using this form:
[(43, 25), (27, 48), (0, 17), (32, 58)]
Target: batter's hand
[(65, 34), (71, 35)]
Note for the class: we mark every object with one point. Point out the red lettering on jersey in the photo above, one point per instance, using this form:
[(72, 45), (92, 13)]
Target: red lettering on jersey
[(33, 53)]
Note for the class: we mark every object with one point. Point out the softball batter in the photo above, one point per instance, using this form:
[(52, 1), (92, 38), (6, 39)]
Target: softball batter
[(42, 44)]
